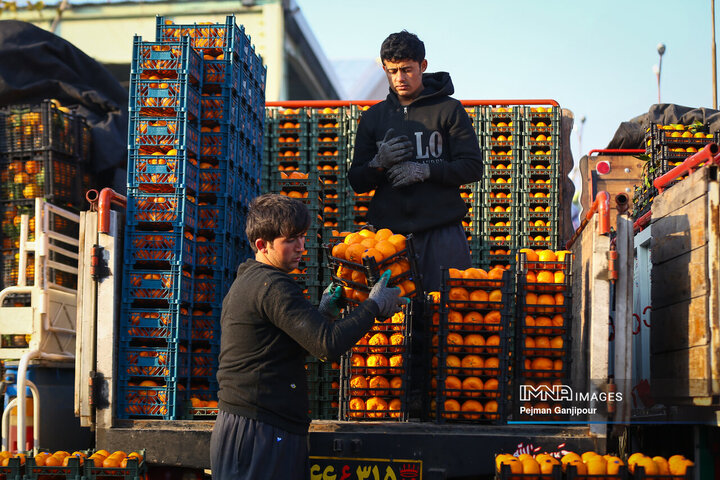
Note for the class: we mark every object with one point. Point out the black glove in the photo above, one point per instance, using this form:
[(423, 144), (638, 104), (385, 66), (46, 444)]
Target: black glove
[(392, 150), (330, 301), (388, 299), (407, 173)]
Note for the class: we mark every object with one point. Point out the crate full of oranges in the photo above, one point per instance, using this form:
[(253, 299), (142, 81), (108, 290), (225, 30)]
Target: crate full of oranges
[(544, 319), (358, 261), (374, 373), (470, 319), (12, 465)]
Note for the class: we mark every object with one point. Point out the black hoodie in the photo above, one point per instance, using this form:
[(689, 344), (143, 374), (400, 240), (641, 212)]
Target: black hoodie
[(268, 328), (443, 137)]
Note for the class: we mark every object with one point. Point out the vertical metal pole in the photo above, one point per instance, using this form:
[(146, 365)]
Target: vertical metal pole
[(714, 57)]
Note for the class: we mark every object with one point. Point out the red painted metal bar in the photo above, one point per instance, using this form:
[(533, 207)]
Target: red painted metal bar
[(615, 151), (688, 166), (601, 206), (642, 222), (107, 197), (362, 103)]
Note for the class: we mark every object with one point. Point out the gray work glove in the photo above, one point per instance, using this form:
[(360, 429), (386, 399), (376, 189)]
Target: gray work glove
[(392, 151), (407, 173), (388, 299), (330, 301)]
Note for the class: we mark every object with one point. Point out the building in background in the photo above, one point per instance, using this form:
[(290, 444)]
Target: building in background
[(297, 68)]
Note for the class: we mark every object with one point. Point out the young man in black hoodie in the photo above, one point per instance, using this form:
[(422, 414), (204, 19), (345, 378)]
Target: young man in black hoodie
[(415, 149), (268, 328)]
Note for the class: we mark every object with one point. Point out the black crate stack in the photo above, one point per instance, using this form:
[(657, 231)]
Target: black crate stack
[(666, 147), (45, 152), (195, 146), (469, 353), (495, 239), (329, 158), (286, 144), (542, 334)]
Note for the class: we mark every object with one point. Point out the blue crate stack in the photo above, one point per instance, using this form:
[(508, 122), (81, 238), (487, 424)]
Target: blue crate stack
[(195, 143)]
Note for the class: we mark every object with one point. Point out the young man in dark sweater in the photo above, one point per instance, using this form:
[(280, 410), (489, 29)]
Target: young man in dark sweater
[(268, 327), (415, 149)]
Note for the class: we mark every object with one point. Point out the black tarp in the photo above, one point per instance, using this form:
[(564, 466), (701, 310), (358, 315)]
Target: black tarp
[(631, 134), (36, 65)]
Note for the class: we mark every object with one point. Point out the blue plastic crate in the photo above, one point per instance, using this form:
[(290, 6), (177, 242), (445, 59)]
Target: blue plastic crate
[(217, 255), (155, 173), (220, 74), (165, 401), (166, 58), (207, 288), (158, 211), (213, 39), (169, 362), (154, 323), (172, 286), (219, 178), (204, 360), (205, 325), (246, 190), (218, 144), (159, 249), (221, 217), (221, 107), (160, 135), (160, 97)]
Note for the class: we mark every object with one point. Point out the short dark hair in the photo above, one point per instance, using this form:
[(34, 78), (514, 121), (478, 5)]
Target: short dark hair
[(271, 216), (402, 46)]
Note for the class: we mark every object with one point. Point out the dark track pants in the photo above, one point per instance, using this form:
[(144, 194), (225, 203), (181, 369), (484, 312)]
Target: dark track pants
[(246, 449), (441, 247)]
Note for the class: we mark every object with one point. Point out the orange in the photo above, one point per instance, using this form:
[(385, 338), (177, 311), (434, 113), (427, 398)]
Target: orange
[(378, 343), (613, 465), (354, 252), (398, 240), (541, 365), (383, 234), (386, 248), (451, 405), (496, 297), (356, 407), (479, 296), (53, 461), (358, 382), (472, 387), (662, 465), (491, 386), (530, 467), (453, 386), (545, 276), (378, 386), (568, 457), (476, 273), (580, 467), (357, 361), (596, 465), (456, 340), (339, 250), (529, 345), (471, 406), (458, 295), (474, 343), (472, 321), (513, 464), (394, 407), (496, 273), (559, 276), (377, 406), (374, 361), (492, 345), (352, 238), (531, 277), (648, 464), (455, 320), (587, 455), (396, 361), (365, 233), (455, 273), (40, 458), (547, 256), (530, 254), (561, 255), (491, 363), (396, 383), (374, 253), (547, 464), (493, 320), (453, 363)]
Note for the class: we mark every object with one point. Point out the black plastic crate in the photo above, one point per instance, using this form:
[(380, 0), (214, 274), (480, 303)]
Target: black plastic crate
[(505, 473), (375, 373), (572, 474), (639, 474), (73, 471), (471, 343), (45, 174), (134, 469), (46, 126)]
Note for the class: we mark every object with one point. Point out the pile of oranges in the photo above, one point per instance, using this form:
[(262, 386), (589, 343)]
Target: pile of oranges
[(543, 290), (473, 345), (386, 248), (61, 458), (377, 370), (591, 463)]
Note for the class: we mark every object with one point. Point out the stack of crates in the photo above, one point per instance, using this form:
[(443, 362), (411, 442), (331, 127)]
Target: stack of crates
[(542, 332), (667, 146), (328, 156), (45, 152), (539, 187), (495, 241), (358, 203), (194, 166), (469, 356), (286, 143)]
